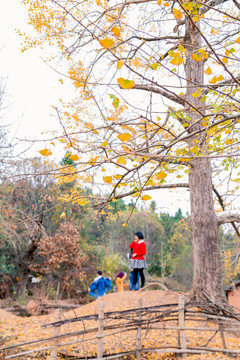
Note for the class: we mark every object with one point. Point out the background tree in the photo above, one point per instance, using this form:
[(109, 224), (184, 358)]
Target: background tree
[(158, 99), (180, 259), (64, 260)]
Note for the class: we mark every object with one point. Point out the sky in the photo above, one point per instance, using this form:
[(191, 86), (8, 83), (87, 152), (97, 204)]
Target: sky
[(32, 87)]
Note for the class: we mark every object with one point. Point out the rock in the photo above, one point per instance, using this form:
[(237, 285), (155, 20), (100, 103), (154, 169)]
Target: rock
[(32, 307)]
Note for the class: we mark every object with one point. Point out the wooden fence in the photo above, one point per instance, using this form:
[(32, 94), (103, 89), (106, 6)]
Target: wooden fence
[(147, 329)]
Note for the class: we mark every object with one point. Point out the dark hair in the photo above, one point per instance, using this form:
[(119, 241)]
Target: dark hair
[(99, 272), (139, 235), (120, 275)]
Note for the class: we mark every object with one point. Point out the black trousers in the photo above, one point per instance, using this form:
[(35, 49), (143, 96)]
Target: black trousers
[(135, 276)]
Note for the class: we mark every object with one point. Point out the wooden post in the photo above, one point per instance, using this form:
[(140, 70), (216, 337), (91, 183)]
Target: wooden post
[(100, 330), (222, 334), (181, 325), (56, 331), (139, 334)]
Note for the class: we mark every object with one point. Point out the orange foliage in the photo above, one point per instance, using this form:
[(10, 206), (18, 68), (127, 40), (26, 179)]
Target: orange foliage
[(61, 253)]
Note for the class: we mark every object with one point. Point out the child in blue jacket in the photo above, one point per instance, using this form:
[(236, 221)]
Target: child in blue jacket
[(100, 286)]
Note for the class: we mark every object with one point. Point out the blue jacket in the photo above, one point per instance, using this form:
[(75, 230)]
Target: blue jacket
[(100, 287)]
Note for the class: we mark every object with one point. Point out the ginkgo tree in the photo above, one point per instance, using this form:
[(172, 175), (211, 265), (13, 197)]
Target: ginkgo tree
[(157, 105)]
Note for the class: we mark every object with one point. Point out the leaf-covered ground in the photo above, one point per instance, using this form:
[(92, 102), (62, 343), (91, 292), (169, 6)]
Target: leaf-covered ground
[(16, 330)]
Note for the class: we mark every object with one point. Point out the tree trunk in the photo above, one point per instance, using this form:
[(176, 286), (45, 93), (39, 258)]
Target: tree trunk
[(204, 227), (24, 266), (204, 224)]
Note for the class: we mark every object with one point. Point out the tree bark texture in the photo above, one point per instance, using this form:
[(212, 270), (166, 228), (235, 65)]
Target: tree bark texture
[(204, 224), (204, 227)]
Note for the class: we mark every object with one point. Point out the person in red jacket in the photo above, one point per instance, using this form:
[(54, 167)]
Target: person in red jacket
[(138, 263)]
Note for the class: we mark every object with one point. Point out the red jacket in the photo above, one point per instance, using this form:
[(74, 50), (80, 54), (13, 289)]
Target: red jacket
[(138, 248)]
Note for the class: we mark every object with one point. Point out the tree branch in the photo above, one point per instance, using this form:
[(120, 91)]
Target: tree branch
[(227, 82), (161, 92), (225, 218), (237, 4), (223, 207), (155, 187), (211, 5)]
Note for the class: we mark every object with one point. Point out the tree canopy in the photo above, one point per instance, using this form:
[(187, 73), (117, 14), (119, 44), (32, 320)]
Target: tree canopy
[(157, 105)]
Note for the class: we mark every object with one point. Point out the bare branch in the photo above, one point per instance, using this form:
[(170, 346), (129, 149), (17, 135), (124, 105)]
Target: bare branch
[(236, 3), (225, 218), (155, 90)]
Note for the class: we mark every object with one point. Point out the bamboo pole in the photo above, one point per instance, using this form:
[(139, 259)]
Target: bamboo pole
[(56, 332), (181, 332), (100, 330), (139, 335)]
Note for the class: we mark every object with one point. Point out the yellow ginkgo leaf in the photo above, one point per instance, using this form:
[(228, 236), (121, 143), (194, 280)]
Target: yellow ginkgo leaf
[(161, 175), (115, 31), (228, 142), (177, 61), (114, 200), (125, 83), (63, 214), (146, 197), (220, 78), (159, 2), (213, 80), (120, 64), (104, 143), (208, 71), (136, 194), (82, 202), (210, 132), (45, 152), (238, 40), (197, 93), (166, 3), (107, 179), (196, 57), (183, 159), (87, 179), (124, 225), (93, 161), (117, 176), (214, 32), (182, 49), (177, 14), (124, 137), (154, 66), (74, 157), (107, 43), (195, 18), (121, 160)]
